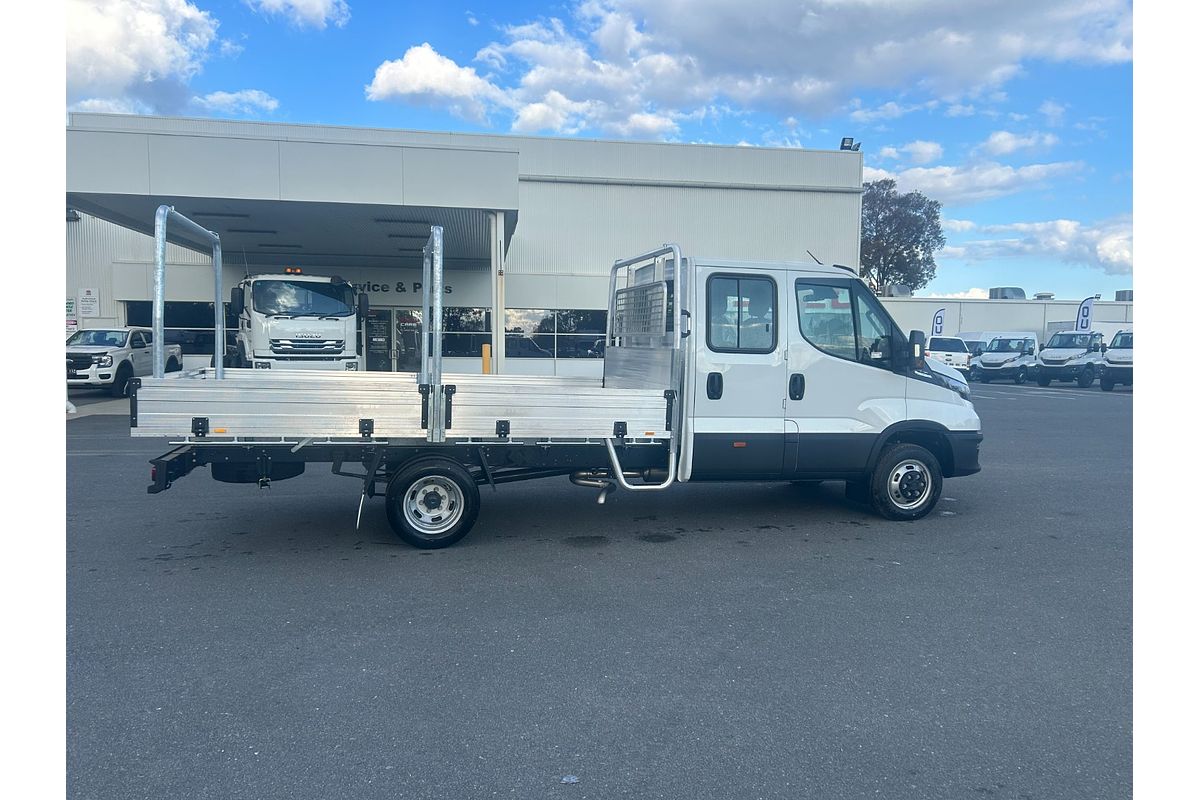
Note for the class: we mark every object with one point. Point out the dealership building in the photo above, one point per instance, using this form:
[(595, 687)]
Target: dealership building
[(532, 227)]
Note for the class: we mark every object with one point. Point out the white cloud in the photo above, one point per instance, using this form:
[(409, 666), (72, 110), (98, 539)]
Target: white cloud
[(472, 20), (922, 152), (1106, 245), (1053, 112), (230, 49), (957, 225), (960, 110), (955, 185), (889, 152), (425, 76), (1002, 143), (669, 58), (306, 13), (135, 54), (247, 101)]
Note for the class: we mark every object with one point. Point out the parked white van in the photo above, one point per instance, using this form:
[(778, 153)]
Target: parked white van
[(1011, 355), (1117, 366), (1071, 356)]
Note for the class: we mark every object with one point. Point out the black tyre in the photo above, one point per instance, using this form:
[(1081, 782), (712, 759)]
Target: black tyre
[(906, 483), (173, 365), (1085, 378), (1043, 382), (432, 502), (1021, 376), (973, 373), (1107, 384), (120, 384)]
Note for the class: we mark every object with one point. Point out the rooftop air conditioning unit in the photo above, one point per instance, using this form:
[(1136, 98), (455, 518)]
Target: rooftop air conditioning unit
[(1006, 293), (1044, 296), (1125, 295), (896, 290)]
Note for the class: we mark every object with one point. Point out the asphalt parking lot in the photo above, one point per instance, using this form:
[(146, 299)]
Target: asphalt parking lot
[(718, 641)]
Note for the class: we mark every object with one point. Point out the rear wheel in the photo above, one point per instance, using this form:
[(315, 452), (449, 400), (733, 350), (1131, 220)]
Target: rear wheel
[(906, 483), (173, 365), (432, 502), (1107, 384), (1086, 377), (1043, 381)]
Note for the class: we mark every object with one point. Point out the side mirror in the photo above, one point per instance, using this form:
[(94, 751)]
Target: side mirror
[(237, 300), (916, 348), (1041, 347), (1103, 348), (364, 305), (1029, 351)]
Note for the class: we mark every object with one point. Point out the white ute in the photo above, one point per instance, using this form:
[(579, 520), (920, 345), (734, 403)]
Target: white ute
[(107, 358), (951, 351), (714, 370)]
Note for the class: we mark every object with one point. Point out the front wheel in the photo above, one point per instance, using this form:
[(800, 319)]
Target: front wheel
[(1085, 378), (1021, 376), (1043, 381), (973, 373), (432, 502), (1107, 384), (120, 384), (906, 483)]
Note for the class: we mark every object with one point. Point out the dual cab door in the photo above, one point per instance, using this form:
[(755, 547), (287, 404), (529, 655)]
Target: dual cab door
[(793, 374)]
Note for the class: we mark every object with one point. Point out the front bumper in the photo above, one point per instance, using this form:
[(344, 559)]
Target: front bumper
[(306, 364), (1121, 374), (92, 376), (964, 448), (1066, 372), (1006, 371)]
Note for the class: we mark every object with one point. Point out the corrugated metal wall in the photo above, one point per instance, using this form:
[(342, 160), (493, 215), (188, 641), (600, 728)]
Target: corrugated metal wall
[(94, 246)]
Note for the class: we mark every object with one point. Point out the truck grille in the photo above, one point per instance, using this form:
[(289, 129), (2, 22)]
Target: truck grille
[(316, 347), (1055, 361), (79, 361)]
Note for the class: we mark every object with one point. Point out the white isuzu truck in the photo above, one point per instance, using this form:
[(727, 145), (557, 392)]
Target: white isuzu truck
[(714, 370), (295, 321)]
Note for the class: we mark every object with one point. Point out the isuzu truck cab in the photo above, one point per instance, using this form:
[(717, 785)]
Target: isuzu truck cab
[(1071, 356), (297, 322)]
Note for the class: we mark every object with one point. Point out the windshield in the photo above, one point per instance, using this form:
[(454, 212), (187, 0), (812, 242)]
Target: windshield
[(1009, 345), (941, 345), (98, 338), (303, 298), (1069, 341), (1122, 341)]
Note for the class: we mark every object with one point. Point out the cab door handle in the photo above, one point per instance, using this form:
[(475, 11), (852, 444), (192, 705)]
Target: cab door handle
[(715, 386), (796, 386)]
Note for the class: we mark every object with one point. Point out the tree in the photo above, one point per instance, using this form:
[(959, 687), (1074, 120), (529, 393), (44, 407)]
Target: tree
[(900, 234)]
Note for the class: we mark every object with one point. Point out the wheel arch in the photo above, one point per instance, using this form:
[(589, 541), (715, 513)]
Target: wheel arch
[(927, 434)]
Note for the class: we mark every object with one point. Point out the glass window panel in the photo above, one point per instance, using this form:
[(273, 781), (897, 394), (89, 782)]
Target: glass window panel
[(528, 320), (538, 345), (577, 320), (461, 319), (825, 318), (875, 343), (579, 346), (741, 314), (464, 345)]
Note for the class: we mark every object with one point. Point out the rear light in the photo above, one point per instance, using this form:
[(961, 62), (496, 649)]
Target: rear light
[(153, 474)]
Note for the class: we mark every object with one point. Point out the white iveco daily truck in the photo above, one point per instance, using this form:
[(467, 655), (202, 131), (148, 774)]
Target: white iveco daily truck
[(714, 370), (295, 321)]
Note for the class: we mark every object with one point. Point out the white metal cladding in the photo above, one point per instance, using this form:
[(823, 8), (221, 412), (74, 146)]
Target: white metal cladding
[(93, 246), (581, 229), (256, 403)]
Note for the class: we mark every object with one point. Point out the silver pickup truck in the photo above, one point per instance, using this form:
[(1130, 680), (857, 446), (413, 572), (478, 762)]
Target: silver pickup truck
[(108, 357)]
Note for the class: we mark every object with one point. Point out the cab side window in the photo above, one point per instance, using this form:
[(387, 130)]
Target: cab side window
[(137, 341), (826, 318), (741, 314), (844, 320)]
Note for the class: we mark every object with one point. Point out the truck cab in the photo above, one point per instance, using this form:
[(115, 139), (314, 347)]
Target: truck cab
[(297, 322), (1071, 356), (1010, 355), (1117, 366)]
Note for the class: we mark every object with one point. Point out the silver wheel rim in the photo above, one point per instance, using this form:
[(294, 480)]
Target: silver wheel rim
[(909, 484), (433, 505)]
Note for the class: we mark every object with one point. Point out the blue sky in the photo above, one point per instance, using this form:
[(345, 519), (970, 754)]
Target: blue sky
[(1016, 115)]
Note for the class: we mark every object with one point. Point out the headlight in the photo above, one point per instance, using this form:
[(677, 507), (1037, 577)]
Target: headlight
[(352, 365), (102, 361)]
